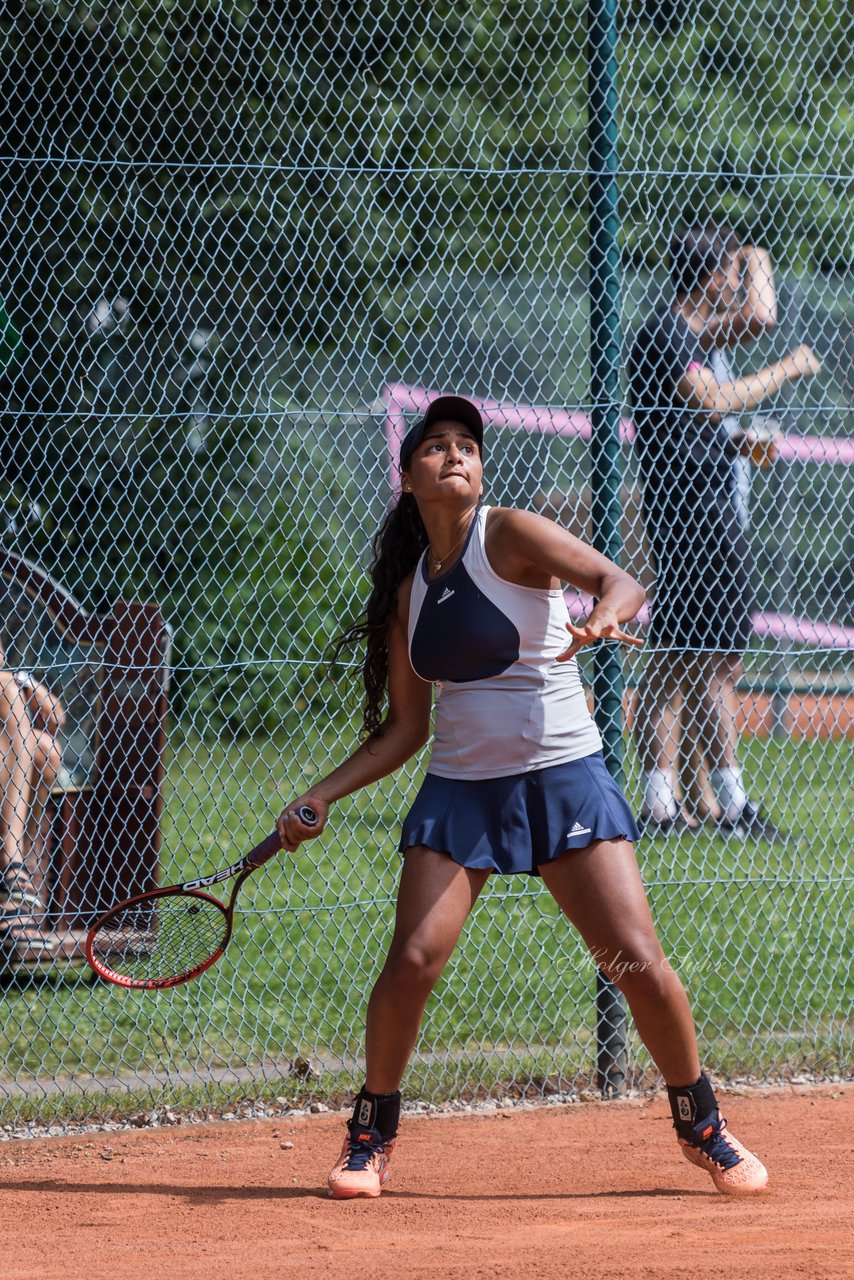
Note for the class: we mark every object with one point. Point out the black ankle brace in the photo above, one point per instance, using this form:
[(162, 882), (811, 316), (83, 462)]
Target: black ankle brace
[(377, 1111), (691, 1104)]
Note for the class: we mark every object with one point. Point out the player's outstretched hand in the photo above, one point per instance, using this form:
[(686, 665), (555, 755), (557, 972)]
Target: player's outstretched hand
[(597, 627), (292, 831)]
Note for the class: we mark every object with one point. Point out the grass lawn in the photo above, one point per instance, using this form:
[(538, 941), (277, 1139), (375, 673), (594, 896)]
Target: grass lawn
[(761, 934)]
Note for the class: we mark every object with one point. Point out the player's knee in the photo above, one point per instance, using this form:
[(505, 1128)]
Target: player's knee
[(638, 965), (415, 965)]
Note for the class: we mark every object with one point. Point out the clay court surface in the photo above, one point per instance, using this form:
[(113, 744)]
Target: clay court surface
[(593, 1190)]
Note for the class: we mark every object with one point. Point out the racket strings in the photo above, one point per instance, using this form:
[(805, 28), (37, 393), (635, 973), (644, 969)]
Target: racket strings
[(161, 937)]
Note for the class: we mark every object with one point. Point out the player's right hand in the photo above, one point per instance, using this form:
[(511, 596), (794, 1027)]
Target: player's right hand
[(600, 625), (292, 831), (803, 362)]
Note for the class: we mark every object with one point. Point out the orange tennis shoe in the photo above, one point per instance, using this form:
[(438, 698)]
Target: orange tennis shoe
[(735, 1171), (362, 1167)]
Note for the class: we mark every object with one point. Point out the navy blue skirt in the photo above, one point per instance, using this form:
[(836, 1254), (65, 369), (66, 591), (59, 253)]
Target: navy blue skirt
[(514, 824)]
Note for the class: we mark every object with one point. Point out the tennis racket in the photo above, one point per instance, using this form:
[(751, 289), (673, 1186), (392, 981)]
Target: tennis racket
[(164, 937)]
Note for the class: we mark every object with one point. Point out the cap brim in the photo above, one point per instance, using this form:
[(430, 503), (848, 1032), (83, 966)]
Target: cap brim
[(455, 409)]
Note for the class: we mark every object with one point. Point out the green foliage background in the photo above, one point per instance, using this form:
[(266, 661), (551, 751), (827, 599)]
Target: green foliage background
[(312, 183)]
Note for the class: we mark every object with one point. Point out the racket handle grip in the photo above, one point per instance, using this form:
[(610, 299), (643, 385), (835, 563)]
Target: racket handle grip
[(264, 851), (268, 848)]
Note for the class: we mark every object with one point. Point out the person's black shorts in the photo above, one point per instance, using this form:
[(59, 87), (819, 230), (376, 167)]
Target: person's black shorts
[(703, 598)]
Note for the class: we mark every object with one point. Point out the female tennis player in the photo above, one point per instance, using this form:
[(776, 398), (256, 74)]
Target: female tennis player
[(467, 600)]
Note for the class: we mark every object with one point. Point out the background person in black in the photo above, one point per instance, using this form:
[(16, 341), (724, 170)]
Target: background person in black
[(724, 295)]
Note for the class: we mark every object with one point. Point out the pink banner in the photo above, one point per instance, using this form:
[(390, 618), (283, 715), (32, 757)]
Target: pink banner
[(400, 399), (829, 451)]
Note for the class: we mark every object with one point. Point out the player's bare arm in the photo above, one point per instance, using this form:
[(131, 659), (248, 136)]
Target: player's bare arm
[(404, 731), (529, 549)]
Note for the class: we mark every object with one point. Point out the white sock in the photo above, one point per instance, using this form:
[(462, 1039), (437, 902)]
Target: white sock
[(659, 797), (728, 786)]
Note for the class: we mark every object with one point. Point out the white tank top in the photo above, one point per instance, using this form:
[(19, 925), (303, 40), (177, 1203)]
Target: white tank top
[(503, 704)]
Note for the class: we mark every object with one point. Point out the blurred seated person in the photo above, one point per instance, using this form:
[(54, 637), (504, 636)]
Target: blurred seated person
[(30, 759)]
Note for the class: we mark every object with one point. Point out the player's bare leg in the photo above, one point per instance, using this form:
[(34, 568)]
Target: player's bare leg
[(601, 892), (435, 898)]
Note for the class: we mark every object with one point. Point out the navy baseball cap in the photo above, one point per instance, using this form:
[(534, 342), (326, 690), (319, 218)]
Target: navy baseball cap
[(445, 409)]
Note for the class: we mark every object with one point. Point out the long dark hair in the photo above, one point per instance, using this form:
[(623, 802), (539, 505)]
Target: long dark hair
[(396, 549)]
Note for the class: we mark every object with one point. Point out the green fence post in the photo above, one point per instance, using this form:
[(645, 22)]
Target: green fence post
[(605, 357)]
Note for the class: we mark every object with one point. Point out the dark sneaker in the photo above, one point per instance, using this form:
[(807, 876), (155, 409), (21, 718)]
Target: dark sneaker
[(362, 1167), (752, 824), (735, 1171), (23, 940)]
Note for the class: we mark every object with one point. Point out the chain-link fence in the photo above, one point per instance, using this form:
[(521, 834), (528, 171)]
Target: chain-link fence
[(244, 242)]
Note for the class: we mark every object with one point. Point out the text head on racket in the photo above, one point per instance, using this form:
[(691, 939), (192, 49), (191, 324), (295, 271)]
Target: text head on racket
[(167, 936)]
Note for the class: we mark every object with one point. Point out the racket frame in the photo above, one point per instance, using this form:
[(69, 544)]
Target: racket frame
[(105, 971), (262, 853)]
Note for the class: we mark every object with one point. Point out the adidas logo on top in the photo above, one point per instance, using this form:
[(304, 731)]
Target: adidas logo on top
[(578, 830)]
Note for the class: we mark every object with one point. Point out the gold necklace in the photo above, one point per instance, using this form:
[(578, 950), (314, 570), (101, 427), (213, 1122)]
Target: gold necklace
[(437, 564)]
